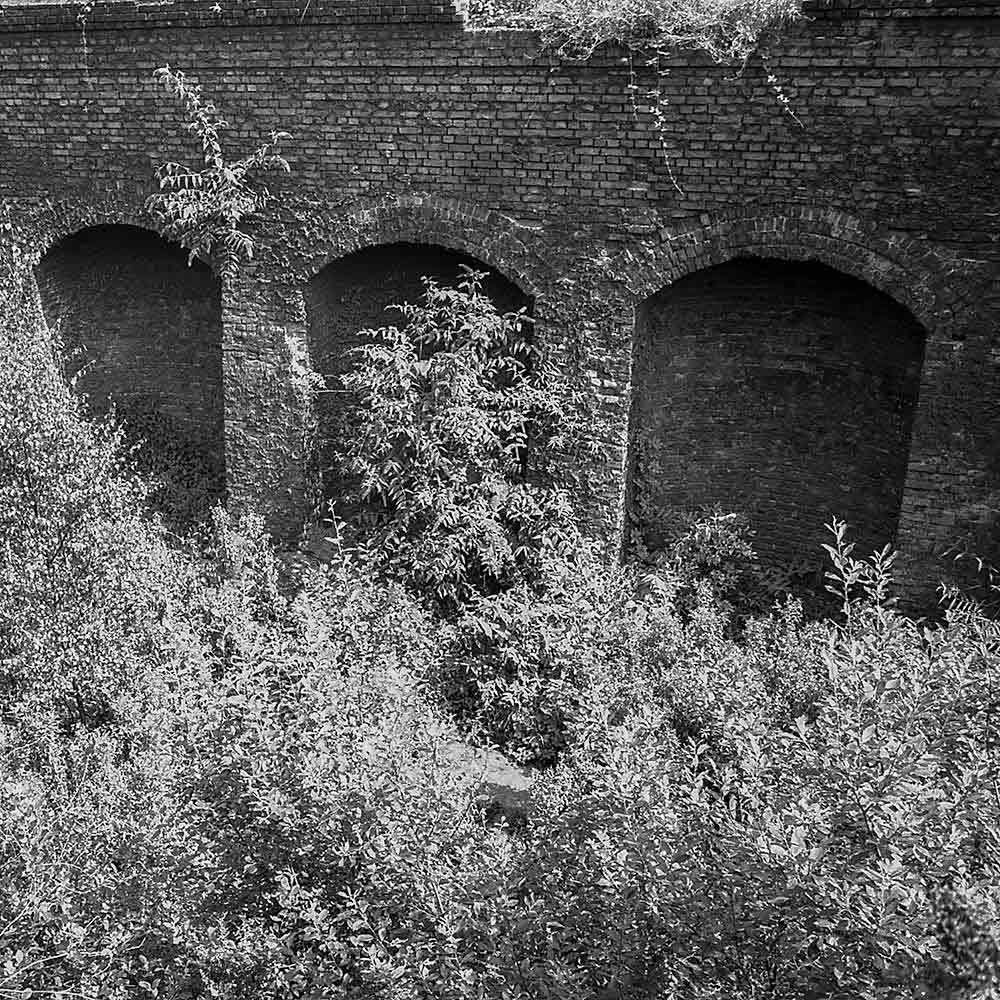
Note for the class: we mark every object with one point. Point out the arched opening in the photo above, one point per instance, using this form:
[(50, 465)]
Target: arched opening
[(357, 293), (143, 331), (783, 390)]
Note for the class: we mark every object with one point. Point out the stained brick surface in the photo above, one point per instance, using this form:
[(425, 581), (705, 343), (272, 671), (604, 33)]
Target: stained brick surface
[(143, 331), (409, 127)]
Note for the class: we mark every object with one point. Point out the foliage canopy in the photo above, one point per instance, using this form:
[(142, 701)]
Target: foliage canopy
[(211, 787)]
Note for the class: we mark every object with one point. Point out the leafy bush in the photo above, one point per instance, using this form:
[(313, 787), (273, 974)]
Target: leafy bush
[(697, 553), (258, 800), (521, 664), (217, 835), (194, 771), (78, 562), (448, 439), (706, 843), (520, 661)]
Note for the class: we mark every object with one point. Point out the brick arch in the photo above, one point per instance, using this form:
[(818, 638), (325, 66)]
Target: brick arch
[(948, 486), (68, 225), (45, 230), (145, 330), (783, 389), (921, 281), (383, 263), (49, 226), (497, 240)]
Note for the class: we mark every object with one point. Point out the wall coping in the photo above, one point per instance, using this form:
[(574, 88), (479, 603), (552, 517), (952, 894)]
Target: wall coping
[(111, 15)]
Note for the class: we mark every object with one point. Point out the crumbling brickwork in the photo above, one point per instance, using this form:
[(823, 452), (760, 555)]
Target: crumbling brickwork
[(408, 127)]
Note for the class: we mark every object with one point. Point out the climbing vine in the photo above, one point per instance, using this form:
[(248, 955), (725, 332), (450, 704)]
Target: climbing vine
[(730, 32)]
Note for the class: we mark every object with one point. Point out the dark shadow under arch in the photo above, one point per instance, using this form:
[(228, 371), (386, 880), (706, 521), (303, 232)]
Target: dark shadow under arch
[(144, 332), (357, 292), (783, 389)]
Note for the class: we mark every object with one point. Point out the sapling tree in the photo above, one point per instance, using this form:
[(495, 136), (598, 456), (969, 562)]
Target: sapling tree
[(204, 210), (448, 408)]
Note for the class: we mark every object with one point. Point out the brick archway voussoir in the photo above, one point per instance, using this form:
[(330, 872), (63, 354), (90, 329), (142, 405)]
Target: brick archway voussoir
[(900, 268), (496, 240)]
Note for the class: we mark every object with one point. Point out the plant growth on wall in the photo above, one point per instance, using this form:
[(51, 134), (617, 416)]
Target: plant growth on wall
[(204, 210), (448, 407), (730, 32)]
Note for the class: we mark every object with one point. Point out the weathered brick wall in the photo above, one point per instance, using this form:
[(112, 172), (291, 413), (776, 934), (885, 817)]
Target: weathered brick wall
[(143, 331), (784, 390), (409, 128)]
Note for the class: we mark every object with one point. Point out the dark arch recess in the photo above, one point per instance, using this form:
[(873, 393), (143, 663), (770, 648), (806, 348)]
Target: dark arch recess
[(356, 293), (782, 389), (144, 330)]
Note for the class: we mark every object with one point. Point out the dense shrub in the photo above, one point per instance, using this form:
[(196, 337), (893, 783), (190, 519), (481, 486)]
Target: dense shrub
[(705, 550), (455, 417), (194, 772), (265, 806), (708, 841), (211, 843)]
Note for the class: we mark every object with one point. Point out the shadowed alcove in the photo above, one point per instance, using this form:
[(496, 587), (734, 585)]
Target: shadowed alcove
[(356, 293), (143, 331), (781, 389)]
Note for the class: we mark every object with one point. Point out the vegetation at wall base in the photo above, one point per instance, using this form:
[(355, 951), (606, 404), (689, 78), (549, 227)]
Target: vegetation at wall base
[(451, 437), (210, 788)]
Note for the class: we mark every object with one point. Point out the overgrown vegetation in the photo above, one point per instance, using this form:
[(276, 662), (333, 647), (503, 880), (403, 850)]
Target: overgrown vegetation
[(204, 210), (445, 410), (729, 31), (213, 786)]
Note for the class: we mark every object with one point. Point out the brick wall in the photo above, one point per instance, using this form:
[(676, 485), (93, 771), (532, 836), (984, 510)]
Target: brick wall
[(410, 128), (782, 389)]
